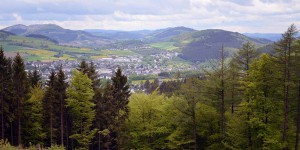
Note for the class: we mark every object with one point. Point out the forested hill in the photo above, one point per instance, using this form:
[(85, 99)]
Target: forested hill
[(59, 34), (248, 102), (206, 44), (192, 45)]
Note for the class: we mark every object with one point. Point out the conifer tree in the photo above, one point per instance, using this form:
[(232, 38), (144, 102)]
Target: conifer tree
[(60, 87), (121, 93), (242, 60), (93, 75), (79, 102), (33, 128), (35, 77), (4, 81), (284, 51), (20, 91), (49, 107), (83, 67)]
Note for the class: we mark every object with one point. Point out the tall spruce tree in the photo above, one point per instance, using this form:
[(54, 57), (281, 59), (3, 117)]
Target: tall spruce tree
[(121, 93), (60, 87), (83, 67), (93, 75), (49, 107), (4, 81), (20, 91), (35, 77)]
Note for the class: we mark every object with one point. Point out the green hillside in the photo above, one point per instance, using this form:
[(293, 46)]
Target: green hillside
[(206, 44), (44, 49)]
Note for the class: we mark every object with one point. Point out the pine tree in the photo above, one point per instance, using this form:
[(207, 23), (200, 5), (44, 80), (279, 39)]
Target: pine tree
[(35, 77), (105, 112), (284, 51), (83, 67), (79, 102), (121, 93), (60, 87), (190, 94), (263, 86), (19, 81), (147, 86), (9, 97), (49, 107), (93, 75), (242, 60), (3, 94)]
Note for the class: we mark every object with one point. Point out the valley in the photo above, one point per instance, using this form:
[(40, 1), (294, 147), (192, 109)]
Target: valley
[(138, 53)]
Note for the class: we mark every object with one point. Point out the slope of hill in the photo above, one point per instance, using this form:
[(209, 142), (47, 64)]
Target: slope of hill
[(59, 34), (164, 35), (206, 44)]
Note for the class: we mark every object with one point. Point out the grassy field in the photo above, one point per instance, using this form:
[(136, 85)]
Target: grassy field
[(164, 45), (43, 55)]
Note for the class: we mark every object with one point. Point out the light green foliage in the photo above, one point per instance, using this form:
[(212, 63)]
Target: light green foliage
[(181, 136), (147, 121), (79, 102), (34, 114), (262, 105), (5, 145)]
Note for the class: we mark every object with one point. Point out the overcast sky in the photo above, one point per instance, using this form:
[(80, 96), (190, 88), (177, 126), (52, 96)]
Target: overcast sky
[(263, 16)]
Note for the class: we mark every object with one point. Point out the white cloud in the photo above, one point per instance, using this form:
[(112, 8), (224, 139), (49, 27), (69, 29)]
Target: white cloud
[(17, 17), (235, 15)]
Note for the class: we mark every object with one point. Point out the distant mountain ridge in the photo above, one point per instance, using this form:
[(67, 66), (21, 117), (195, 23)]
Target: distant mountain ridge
[(193, 45), (59, 34), (270, 36)]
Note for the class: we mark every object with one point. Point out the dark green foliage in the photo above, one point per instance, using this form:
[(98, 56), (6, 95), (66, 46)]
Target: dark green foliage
[(49, 106), (93, 75), (169, 87), (35, 77), (20, 85), (83, 67), (5, 95), (121, 93)]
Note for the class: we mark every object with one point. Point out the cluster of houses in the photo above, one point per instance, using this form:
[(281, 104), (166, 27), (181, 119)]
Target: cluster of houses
[(105, 67)]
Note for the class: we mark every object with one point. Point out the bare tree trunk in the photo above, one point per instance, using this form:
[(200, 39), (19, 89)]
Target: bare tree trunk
[(61, 122), (51, 129), (2, 116), (232, 96), (19, 119), (222, 96), (99, 139), (298, 120), (11, 134), (67, 133)]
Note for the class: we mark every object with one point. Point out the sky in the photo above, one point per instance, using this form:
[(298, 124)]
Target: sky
[(251, 16)]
